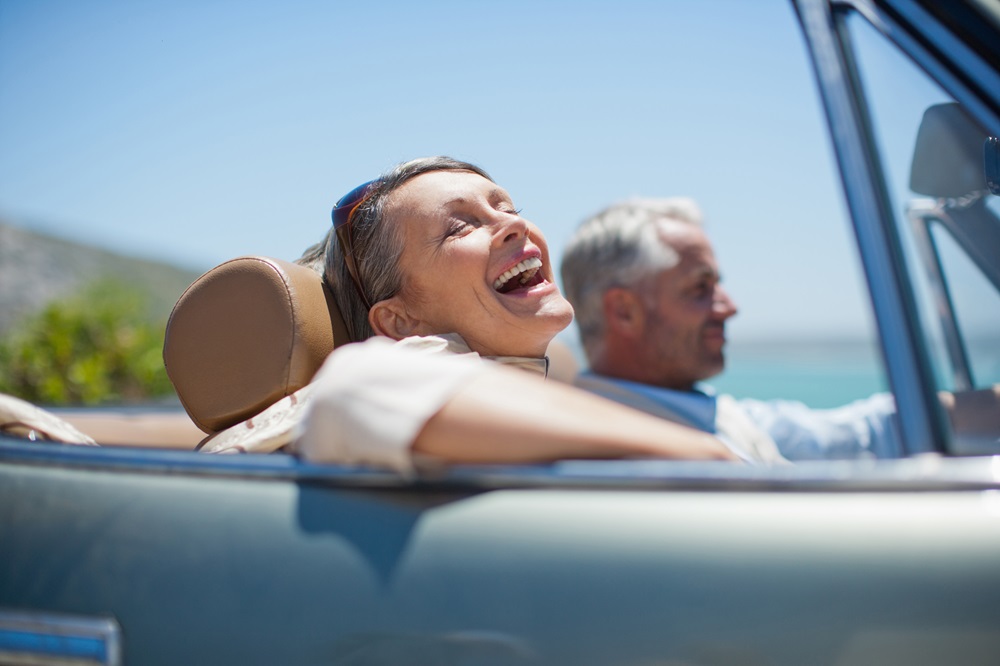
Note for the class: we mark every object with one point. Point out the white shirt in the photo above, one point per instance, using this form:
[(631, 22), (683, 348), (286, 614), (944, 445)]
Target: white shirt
[(863, 429), (371, 399)]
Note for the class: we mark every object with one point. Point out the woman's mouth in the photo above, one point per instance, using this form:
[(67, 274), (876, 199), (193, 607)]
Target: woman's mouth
[(525, 274)]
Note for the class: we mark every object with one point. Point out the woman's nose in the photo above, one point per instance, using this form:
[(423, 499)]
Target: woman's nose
[(512, 227)]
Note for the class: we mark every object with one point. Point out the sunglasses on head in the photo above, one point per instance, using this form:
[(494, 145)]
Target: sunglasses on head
[(343, 213)]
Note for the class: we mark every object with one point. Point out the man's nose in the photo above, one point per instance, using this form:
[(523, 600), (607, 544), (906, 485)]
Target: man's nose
[(722, 305)]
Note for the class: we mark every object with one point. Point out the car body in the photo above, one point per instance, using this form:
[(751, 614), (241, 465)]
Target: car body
[(146, 556)]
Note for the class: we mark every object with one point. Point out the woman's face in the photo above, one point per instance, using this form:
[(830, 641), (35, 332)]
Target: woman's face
[(462, 241)]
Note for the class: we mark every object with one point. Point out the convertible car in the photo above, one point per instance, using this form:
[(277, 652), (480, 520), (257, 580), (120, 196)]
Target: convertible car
[(112, 555)]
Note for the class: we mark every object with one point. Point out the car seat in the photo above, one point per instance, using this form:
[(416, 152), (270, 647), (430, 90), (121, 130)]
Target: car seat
[(246, 334)]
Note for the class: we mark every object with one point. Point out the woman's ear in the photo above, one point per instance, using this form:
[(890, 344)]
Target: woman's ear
[(392, 319)]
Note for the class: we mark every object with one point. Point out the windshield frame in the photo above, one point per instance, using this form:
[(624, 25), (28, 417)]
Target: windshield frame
[(939, 53)]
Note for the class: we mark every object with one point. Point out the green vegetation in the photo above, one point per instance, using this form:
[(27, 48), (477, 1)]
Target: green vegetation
[(91, 348)]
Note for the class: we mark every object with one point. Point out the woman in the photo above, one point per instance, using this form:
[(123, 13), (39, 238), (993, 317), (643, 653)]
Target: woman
[(436, 256)]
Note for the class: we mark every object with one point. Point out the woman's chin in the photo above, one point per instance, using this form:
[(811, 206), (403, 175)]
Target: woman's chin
[(545, 304), (522, 327), (512, 340), (557, 313)]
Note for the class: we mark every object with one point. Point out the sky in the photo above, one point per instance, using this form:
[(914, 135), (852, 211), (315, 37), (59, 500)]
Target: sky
[(196, 131)]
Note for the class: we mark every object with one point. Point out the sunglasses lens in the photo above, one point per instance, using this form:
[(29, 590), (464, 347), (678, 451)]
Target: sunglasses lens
[(341, 214), (346, 204)]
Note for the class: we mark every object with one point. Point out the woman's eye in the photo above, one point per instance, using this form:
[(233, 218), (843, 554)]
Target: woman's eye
[(457, 228), (509, 209)]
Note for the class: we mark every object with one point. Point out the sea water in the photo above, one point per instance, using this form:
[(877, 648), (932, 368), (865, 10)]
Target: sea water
[(828, 373), (820, 373)]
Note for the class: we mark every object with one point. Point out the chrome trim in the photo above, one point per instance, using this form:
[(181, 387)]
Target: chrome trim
[(926, 473), (922, 213), (50, 639), (907, 361), (922, 473), (167, 462)]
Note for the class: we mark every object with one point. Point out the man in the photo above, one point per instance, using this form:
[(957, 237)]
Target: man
[(645, 285)]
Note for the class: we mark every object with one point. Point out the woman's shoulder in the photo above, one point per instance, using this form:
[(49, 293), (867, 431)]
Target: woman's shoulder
[(443, 345), (382, 350), (451, 343)]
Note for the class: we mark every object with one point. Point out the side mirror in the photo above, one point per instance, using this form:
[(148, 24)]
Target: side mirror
[(948, 156)]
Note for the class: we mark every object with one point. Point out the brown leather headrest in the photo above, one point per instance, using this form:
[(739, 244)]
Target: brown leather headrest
[(246, 334)]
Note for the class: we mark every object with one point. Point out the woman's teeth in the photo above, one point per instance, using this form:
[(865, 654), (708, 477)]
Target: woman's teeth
[(526, 269)]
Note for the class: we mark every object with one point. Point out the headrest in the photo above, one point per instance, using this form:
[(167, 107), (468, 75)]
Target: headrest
[(246, 334)]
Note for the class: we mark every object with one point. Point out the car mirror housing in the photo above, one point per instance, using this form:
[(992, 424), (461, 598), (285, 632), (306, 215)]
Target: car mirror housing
[(947, 158)]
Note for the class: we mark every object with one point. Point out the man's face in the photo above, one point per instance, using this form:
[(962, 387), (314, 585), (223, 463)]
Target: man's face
[(686, 309)]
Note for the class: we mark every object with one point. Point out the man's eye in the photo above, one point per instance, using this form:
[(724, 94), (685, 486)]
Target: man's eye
[(702, 290)]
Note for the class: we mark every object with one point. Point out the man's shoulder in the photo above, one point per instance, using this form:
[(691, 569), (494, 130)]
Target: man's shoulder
[(590, 379)]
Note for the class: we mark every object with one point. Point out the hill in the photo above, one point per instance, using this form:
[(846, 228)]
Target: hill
[(36, 268)]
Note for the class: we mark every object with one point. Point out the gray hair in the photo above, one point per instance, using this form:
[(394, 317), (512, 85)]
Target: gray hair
[(616, 248), (377, 246)]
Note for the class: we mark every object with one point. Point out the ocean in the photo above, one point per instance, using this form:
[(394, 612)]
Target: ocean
[(821, 374), (825, 373)]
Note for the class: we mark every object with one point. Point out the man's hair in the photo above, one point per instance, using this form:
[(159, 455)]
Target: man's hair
[(616, 248)]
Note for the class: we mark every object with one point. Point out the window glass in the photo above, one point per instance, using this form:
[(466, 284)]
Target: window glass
[(977, 308), (932, 157)]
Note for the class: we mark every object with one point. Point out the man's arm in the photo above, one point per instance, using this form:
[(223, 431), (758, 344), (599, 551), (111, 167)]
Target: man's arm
[(867, 427), (862, 429)]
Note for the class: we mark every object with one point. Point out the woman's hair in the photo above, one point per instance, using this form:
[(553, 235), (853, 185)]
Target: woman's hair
[(378, 245)]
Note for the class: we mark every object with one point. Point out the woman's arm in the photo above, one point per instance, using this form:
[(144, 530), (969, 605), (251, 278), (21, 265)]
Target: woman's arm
[(503, 416), (376, 402)]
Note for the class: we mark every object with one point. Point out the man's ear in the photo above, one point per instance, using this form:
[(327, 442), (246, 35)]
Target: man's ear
[(623, 312), (392, 319)]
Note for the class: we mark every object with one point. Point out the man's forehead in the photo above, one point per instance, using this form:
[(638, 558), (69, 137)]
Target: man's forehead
[(677, 232), (692, 252)]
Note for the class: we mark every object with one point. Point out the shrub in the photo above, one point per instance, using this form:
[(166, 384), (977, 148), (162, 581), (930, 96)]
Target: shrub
[(94, 347)]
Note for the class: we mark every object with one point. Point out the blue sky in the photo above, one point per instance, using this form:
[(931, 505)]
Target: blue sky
[(196, 131)]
